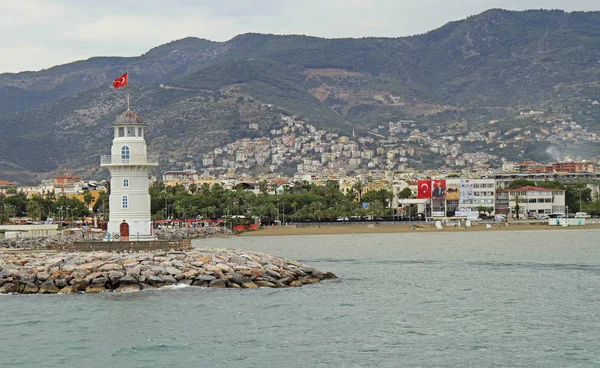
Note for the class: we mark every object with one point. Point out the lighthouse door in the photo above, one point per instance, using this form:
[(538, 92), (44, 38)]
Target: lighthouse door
[(124, 230)]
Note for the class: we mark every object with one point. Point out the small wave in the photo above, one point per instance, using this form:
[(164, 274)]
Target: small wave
[(275, 306), (24, 323), (176, 286), (540, 266), (133, 350)]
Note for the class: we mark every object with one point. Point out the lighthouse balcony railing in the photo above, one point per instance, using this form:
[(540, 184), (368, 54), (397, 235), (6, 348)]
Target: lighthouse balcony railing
[(130, 159)]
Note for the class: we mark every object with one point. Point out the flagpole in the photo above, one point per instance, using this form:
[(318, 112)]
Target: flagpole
[(127, 72)]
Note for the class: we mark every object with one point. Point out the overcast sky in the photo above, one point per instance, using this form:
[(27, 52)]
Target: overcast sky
[(38, 34)]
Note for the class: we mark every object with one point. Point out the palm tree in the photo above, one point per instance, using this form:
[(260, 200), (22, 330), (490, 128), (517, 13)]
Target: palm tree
[(358, 187), (34, 210), (87, 198)]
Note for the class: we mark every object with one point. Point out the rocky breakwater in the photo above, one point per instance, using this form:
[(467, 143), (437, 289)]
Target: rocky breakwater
[(95, 272)]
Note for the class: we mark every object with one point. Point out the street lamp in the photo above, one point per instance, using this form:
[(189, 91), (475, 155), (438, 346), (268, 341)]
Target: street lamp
[(67, 209), (60, 220), (579, 190)]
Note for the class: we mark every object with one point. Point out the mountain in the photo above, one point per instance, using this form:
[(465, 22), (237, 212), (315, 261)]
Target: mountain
[(197, 94)]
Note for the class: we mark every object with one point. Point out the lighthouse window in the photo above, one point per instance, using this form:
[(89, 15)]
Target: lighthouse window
[(121, 132), (125, 156), (125, 183), (131, 132), (140, 132), (125, 202)]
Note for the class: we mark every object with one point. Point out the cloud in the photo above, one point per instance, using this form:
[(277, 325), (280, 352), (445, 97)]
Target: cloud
[(51, 32)]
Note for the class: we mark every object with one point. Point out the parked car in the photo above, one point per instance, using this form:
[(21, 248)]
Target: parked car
[(582, 215)]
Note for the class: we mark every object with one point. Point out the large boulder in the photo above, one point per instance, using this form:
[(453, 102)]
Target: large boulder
[(30, 288), (115, 276), (239, 278), (80, 284), (8, 287), (68, 290), (43, 276), (48, 287), (265, 284), (128, 288), (205, 278), (155, 281), (92, 266), (217, 283), (110, 267), (60, 274), (95, 289), (128, 280), (60, 283), (99, 281), (168, 279), (173, 271)]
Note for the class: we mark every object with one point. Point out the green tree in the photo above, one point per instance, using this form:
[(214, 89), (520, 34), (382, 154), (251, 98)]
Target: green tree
[(405, 193), (577, 196), (518, 183)]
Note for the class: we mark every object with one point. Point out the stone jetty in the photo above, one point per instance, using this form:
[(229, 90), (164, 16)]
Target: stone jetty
[(65, 240), (45, 272)]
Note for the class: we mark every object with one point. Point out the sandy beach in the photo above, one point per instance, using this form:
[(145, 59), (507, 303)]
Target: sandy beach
[(404, 228)]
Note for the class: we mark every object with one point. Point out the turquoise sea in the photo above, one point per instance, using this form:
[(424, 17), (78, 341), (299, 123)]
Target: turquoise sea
[(497, 299)]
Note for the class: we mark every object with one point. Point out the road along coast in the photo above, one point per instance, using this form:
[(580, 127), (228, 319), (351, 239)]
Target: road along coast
[(45, 272), (335, 229)]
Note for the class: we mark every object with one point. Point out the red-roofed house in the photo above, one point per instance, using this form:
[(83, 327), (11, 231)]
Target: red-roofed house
[(532, 200), (5, 185)]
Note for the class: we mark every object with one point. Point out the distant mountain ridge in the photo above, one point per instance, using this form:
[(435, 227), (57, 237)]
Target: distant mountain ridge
[(197, 94)]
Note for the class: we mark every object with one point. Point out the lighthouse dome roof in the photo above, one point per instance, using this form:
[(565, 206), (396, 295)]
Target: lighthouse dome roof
[(128, 118)]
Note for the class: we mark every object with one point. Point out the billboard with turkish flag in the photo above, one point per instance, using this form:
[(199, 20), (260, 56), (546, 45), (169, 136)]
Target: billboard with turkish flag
[(439, 189), (424, 189)]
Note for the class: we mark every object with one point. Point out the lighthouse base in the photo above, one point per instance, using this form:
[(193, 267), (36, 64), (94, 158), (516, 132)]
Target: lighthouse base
[(130, 230)]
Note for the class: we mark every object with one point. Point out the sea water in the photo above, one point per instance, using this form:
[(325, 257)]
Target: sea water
[(497, 299)]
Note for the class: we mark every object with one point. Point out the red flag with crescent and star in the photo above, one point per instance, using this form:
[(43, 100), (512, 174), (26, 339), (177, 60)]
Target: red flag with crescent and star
[(121, 81), (424, 189)]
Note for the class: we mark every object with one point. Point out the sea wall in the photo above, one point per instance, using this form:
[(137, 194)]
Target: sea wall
[(46, 272), (62, 241), (123, 246)]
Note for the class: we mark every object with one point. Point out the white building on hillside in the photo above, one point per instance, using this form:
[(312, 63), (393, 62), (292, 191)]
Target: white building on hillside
[(129, 167)]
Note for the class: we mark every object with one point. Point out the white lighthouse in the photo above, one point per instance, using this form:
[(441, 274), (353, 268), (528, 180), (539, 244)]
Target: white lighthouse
[(129, 166)]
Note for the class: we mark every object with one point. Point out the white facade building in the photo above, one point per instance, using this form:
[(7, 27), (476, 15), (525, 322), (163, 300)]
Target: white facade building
[(129, 167)]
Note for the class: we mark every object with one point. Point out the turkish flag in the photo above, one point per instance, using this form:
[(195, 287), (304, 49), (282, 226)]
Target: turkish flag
[(424, 189), (121, 81)]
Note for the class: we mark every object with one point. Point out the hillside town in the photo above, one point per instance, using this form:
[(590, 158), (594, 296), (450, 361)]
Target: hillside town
[(401, 146)]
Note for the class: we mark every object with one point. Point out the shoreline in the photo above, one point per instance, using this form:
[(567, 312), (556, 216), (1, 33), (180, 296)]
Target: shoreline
[(293, 230)]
